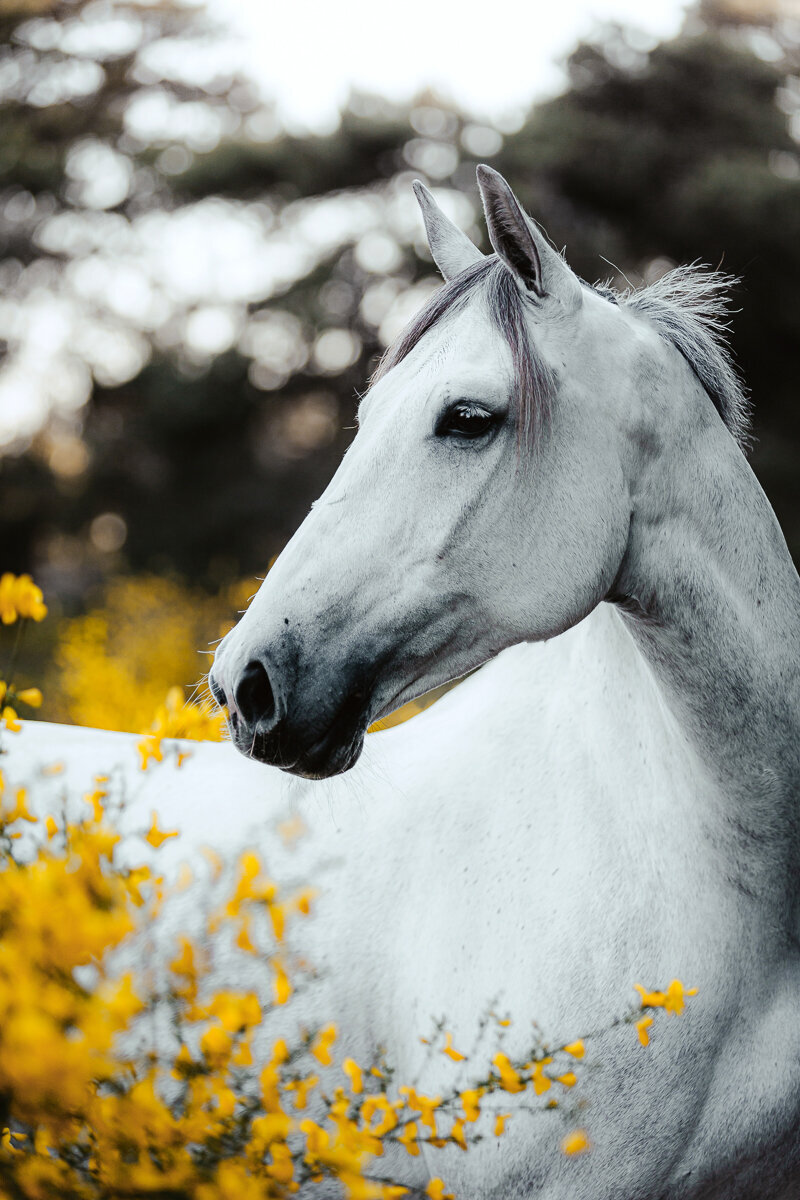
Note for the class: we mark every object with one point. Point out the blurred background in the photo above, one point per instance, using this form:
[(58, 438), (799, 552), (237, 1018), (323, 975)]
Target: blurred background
[(208, 237)]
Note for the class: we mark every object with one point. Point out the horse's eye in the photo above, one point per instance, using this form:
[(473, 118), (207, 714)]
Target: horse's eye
[(466, 420)]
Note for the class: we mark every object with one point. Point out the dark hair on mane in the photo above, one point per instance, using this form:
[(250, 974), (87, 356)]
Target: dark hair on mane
[(534, 381), (689, 307)]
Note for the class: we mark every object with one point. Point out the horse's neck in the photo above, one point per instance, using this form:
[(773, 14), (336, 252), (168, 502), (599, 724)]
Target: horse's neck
[(673, 729), (712, 601)]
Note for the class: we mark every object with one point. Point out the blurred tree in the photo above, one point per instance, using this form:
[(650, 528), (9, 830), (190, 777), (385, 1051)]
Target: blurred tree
[(214, 316)]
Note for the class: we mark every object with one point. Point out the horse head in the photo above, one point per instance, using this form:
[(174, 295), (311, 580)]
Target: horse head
[(485, 500)]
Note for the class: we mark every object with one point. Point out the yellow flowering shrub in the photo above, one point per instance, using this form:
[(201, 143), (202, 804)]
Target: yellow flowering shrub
[(116, 663), (97, 1105)]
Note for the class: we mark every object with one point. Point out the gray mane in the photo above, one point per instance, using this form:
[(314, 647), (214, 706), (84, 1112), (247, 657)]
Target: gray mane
[(690, 307)]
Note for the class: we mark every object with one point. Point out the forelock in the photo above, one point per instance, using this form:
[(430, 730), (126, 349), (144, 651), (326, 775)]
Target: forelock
[(533, 380)]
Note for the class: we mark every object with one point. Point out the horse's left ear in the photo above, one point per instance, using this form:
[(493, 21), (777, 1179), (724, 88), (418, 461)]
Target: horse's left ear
[(522, 247), (452, 250)]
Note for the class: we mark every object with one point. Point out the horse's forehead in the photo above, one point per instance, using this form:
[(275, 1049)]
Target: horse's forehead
[(466, 348)]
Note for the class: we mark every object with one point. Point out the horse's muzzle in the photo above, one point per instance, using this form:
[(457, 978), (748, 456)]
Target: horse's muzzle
[(294, 733)]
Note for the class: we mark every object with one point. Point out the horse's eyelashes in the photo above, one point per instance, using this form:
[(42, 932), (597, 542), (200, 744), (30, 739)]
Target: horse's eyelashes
[(466, 419)]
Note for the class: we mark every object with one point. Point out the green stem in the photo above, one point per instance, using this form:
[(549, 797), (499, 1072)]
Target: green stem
[(15, 649)]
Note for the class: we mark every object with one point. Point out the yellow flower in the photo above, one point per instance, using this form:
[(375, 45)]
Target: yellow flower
[(271, 1128), (29, 599), (301, 1088), (236, 1011), (243, 1054), (30, 696), (674, 999), (500, 1124), (426, 1106), (321, 1047), (281, 985), (120, 1000), (510, 1081), (353, 1072), (280, 1051), (185, 963), (281, 1167), (317, 1140), (642, 1027), (576, 1142), (95, 800), (449, 1049), (457, 1135), (408, 1139), (576, 1049), (243, 939), (650, 999), (302, 901), (20, 597), (277, 916), (7, 1144), (569, 1079), (269, 1080), (182, 1062), (155, 836), (216, 1044), (9, 718), (435, 1190), (470, 1101), (149, 747), (379, 1104), (540, 1081), (20, 810)]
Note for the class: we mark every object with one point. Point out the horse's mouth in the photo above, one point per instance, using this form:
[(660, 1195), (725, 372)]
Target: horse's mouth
[(291, 740), (296, 750)]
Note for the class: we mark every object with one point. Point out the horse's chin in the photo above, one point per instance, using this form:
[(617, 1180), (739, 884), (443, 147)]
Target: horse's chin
[(325, 760), (334, 753)]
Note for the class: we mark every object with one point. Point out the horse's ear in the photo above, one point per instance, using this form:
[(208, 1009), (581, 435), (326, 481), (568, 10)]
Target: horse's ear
[(451, 248), (522, 247)]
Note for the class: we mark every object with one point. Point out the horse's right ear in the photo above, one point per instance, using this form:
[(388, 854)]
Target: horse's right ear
[(522, 246), (451, 248)]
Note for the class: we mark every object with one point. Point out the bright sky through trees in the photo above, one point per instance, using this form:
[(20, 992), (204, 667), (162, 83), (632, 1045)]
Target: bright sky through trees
[(308, 54)]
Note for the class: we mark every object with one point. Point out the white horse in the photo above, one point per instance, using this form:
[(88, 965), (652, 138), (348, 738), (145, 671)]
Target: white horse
[(553, 472)]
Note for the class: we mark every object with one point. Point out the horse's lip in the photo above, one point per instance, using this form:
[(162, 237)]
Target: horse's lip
[(333, 752), (250, 747), (317, 762)]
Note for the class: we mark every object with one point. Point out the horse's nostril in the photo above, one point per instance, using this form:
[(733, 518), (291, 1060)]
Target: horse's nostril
[(217, 690), (253, 694)]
